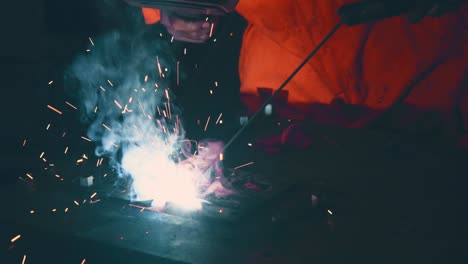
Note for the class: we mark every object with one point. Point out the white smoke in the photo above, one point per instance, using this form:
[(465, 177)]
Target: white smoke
[(122, 84)]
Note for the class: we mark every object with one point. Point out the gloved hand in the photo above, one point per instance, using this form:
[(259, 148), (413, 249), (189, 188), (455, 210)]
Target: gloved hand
[(185, 27), (208, 160)]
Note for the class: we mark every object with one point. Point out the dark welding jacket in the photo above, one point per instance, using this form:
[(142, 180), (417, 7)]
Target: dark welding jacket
[(366, 68)]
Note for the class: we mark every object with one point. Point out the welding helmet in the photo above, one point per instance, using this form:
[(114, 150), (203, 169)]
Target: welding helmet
[(201, 7)]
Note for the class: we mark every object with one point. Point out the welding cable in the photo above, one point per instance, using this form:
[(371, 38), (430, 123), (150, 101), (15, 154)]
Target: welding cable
[(283, 85)]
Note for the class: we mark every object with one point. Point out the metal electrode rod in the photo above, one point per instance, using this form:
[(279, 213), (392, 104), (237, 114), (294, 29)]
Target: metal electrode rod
[(267, 101)]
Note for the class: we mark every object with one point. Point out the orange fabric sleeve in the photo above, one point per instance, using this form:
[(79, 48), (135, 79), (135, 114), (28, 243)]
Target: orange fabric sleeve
[(368, 66), (151, 15)]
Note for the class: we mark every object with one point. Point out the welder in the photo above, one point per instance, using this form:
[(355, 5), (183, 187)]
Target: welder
[(361, 72)]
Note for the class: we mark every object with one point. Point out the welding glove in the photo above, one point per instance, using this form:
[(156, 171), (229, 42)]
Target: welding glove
[(208, 158), (188, 28)]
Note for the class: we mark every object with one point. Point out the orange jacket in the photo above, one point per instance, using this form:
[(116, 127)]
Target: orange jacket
[(369, 65)]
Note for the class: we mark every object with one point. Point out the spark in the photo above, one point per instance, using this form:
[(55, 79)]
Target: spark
[(95, 109), (221, 211), (221, 156), (106, 127), (51, 82), (15, 238), (93, 195), (48, 126), (24, 143), (83, 261), (143, 89), (79, 160), (110, 83), (42, 155), (130, 100), (137, 206), (172, 39), (185, 51), (159, 66), (24, 259), (220, 121), (77, 204), (85, 138), (169, 110), (244, 165), (66, 150), (32, 211), (29, 175), (102, 88), (56, 175), (126, 110), (91, 40), (84, 156), (211, 91), (118, 104), (211, 30), (66, 209), (167, 94), (146, 78), (178, 67), (141, 107), (249, 144), (54, 210), (330, 212), (207, 122), (54, 109), (72, 106), (96, 201), (214, 40), (216, 83)]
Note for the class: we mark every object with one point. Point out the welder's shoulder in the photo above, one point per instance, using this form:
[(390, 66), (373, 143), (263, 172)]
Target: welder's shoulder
[(281, 14)]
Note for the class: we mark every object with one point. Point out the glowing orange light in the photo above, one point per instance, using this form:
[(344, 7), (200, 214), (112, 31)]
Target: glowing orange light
[(54, 109), (13, 240)]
